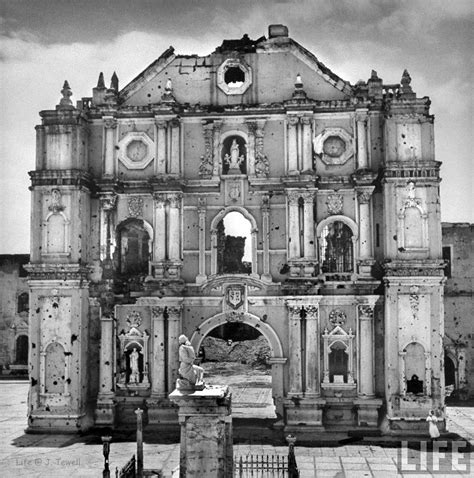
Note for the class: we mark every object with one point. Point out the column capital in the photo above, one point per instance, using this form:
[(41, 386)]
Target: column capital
[(365, 311), (108, 201), (293, 197), (159, 199), (364, 193), (361, 114), (109, 122), (312, 312), (160, 123), (202, 206), (265, 203), (174, 122), (293, 120), (175, 199), (174, 311), (308, 197), (157, 312), (306, 120), (251, 126)]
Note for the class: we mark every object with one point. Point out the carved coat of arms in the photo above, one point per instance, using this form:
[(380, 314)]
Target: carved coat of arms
[(235, 296), (335, 203)]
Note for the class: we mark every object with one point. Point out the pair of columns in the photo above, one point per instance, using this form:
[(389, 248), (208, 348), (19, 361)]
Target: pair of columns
[(304, 346), (304, 349), (167, 226), (165, 362), (301, 227), (300, 146)]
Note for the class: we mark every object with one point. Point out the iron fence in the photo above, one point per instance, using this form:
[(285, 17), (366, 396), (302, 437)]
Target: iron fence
[(128, 471)]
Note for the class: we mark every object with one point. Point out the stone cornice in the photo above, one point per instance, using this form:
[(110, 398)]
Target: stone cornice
[(61, 177)]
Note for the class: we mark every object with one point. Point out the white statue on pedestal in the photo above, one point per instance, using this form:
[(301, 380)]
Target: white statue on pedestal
[(190, 375), (234, 160), (134, 368)]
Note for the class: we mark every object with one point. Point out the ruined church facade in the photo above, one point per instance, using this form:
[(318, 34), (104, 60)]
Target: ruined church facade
[(339, 264)]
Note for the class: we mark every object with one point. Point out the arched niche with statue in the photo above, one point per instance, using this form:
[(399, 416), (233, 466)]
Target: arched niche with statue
[(133, 355)]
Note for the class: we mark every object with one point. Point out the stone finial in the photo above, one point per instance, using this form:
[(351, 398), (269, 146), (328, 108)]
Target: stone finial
[(65, 102), (114, 82), (100, 81), (374, 76)]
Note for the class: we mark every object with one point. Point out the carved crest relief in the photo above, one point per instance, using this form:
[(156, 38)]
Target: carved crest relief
[(337, 317), (335, 203), (56, 205), (135, 206), (235, 296)]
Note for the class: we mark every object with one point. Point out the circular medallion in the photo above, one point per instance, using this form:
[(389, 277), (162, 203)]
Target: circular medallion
[(334, 146), (137, 150)]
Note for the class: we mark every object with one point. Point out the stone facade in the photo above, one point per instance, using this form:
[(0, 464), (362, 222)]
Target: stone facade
[(14, 306), (337, 191), (458, 251)]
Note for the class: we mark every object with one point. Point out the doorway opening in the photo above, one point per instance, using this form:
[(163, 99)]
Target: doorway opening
[(234, 244), (236, 354)]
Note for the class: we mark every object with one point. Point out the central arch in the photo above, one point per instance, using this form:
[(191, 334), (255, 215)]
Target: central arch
[(277, 360)]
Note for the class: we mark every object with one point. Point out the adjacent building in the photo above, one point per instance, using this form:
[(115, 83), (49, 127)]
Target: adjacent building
[(337, 259)]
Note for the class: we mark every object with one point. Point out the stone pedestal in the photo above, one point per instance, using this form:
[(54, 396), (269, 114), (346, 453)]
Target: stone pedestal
[(368, 411), (206, 432), (305, 414)]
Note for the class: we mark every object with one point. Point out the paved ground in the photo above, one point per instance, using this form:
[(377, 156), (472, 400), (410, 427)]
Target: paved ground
[(51, 456)]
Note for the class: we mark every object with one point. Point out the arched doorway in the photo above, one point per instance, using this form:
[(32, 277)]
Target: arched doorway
[(275, 351), (21, 356)]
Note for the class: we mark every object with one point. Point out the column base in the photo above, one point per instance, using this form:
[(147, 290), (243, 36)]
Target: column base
[(365, 268), (161, 412), (304, 413), (105, 412), (42, 421), (368, 411)]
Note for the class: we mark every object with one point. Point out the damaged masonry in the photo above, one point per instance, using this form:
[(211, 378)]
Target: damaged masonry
[(337, 257)]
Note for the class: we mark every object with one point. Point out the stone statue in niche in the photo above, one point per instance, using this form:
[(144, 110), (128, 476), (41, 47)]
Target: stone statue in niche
[(234, 159), (134, 367), (190, 376)]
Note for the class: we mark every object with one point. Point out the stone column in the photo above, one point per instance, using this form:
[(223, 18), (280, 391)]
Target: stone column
[(159, 246), (158, 371), (293, 227), (312, 351), (160, 135), (105, 411), (205, 418), (266, 237), (174, 235), (201, 277), (216, 147), (107, 205), (174, 330), (292, 145), (294, 312), (174, 155), (366, 351), (110, 125), (365, 230), (252, 128), (362, 150), (307, 144), (308, 227)]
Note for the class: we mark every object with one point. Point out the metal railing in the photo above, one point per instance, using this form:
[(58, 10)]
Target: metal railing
[(128, 471)]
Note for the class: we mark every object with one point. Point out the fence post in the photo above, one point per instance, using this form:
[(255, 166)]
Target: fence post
[(105, 451), (292, 466), (139, 413)]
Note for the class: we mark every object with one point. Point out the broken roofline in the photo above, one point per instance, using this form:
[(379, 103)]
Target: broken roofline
[(168, 56)]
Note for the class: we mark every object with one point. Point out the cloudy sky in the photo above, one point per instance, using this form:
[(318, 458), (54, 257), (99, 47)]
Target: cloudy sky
[(44, 42)]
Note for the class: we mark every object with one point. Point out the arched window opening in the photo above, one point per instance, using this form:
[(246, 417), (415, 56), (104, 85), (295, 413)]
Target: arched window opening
[(415, 367), (234, 155), (55, 368), (234, 248), (133, 248), (337, 248), (338, 363), (21, 350), (23, 302)]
